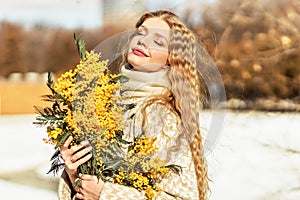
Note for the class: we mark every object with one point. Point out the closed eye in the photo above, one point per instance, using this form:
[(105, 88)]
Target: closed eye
[(160, 40), (159, 43)]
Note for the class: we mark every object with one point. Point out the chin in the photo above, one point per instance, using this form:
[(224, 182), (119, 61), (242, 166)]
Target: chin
[(136, 63)]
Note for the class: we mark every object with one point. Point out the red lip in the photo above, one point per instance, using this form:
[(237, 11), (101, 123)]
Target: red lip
[(139, 52)]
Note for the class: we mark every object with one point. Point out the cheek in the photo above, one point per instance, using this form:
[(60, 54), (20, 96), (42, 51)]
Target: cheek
[(160, 57), (136, 61), (131, 58), (133, 42)]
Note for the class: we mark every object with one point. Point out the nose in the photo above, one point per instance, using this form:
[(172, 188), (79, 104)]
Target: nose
[(144, 41)]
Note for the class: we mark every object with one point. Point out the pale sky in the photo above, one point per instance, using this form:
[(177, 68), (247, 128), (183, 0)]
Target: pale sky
[(42, 3), (65, 13), (69, 13)]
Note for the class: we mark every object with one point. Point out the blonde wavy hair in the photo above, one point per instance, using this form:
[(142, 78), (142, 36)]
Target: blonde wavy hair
[(185, 97)]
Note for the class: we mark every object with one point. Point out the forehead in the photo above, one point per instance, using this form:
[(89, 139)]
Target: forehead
[(156, 23)]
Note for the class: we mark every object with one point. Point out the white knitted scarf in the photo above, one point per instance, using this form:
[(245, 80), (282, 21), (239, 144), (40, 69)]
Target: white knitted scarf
[(142, 85)]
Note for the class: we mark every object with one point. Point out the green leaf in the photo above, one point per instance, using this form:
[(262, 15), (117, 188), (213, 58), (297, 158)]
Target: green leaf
[(116, 79), (78, 183), (80, 46), (119, 138), (175, 168), (56, 166), (55, 155), (55, 94), (83, 169), (123, 79), (62, 139)]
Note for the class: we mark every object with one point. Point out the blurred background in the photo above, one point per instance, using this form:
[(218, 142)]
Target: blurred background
[(254, 43)]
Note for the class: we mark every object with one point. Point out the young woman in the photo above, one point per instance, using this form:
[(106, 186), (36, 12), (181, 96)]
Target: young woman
[(165, 85)]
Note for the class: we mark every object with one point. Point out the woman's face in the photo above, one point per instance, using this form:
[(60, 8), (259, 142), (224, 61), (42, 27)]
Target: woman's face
[(148, 49)]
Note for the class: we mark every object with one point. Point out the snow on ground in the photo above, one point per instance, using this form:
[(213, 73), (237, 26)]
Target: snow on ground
[(22, 151), (21, 144), (257, 157), (250, 160), (15, 191)]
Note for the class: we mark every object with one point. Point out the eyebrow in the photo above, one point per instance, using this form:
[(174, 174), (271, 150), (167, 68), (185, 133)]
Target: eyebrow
[(156, 33)]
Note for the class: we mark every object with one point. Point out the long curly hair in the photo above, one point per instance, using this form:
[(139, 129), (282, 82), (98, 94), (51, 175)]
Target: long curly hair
[(186, 88)]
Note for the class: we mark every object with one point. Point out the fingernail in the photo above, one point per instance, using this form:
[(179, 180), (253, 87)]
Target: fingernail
[(90, 148), (85, 142)]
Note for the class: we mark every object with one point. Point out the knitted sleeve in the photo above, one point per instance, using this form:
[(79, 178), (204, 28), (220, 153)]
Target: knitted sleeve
[(164, 124)]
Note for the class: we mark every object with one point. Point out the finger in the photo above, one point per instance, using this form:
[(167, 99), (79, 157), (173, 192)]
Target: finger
[(85, 143), (87, 177), (81, 153), (83, 160), (79, 196), (79, 146), (67, 143)]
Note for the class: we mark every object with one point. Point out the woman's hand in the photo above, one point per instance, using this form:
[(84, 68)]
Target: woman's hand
[(75, 156), (90, 188)]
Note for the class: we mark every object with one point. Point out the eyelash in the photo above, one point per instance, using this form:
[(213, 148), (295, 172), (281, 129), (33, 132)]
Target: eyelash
[(158, 43)]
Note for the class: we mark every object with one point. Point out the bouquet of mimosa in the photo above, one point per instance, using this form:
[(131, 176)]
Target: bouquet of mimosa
[(86, 104)]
